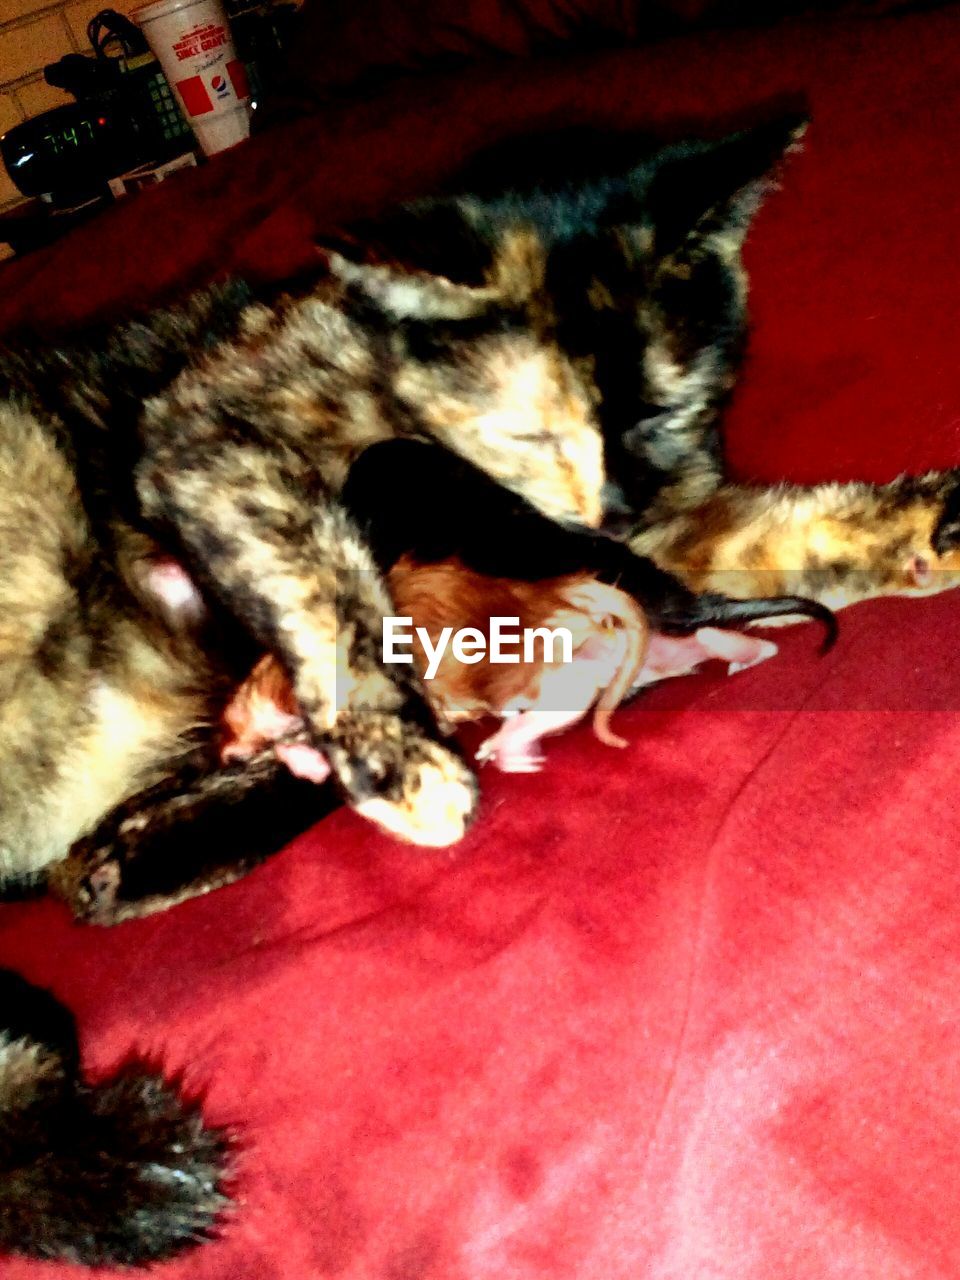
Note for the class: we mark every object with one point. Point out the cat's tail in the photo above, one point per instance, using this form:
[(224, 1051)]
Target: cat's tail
[(115, 1174), (713, 610)]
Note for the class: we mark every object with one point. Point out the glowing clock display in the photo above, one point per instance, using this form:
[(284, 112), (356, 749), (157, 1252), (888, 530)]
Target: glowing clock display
[(75, 136)]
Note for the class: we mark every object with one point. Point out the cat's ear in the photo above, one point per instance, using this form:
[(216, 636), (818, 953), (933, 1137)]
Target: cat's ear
[(451, 256), (444, 259), (408, 294), (423, 261), (433, 236), (714, 188)]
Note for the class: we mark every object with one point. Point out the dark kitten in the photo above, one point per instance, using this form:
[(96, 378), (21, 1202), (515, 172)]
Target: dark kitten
[(411, 498)]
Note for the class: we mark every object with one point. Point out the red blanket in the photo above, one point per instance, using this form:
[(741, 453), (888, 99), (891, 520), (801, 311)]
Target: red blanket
[(687, 1011)]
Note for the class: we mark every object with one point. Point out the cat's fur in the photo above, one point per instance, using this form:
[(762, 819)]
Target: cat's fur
[(115, 1173), (838, 543)]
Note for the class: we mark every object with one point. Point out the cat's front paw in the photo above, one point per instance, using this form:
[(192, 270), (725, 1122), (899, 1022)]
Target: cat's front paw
[(433, 805), (925, 535), (396, 776)]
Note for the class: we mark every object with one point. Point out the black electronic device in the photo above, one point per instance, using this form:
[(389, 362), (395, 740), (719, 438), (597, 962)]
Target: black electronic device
[(125, 116), (71, 152)]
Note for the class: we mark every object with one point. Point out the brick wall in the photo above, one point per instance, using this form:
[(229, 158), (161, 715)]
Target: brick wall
[(33, 33)]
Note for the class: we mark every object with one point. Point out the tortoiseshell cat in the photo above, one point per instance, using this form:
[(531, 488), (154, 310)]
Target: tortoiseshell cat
[(567, 342), (520, 330), (571, 340)]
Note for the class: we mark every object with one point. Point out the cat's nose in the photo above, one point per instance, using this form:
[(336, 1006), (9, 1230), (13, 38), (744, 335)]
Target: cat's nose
[(618, 515)]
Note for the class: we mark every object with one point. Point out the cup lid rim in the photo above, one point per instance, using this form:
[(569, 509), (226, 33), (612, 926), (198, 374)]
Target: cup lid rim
[(160, 8)]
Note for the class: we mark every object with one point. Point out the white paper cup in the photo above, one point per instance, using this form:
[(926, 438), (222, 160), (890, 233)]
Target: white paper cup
[(191, 40)]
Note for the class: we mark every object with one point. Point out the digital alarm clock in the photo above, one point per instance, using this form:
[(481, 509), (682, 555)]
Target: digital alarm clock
[(69, 153)]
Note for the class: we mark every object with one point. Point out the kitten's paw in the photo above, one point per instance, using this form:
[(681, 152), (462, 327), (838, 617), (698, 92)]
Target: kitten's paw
[(120, 1174), (672, 656), (515, 747), (411, 786), (518, 762)]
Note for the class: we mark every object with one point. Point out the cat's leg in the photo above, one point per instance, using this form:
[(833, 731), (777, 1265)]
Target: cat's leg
[(259, 532), (124, 1172), (202, 827), (836, 543)]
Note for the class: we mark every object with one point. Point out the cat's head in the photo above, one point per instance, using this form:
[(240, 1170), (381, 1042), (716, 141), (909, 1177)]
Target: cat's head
[(571, 324)]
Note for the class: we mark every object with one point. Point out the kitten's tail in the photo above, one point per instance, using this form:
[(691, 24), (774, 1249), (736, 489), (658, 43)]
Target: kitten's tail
[(607, 604), (712, 610), (118, 1174)]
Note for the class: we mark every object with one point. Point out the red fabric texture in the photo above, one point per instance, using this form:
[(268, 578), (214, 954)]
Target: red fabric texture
[(684, 1011), (338, 49), (343, 41)]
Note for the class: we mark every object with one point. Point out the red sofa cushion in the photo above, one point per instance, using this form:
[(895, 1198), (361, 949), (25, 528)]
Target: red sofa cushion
[(686, 1010)]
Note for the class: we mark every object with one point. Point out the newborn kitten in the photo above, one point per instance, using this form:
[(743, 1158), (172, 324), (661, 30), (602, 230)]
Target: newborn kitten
[(539, 695), (534, 696)]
